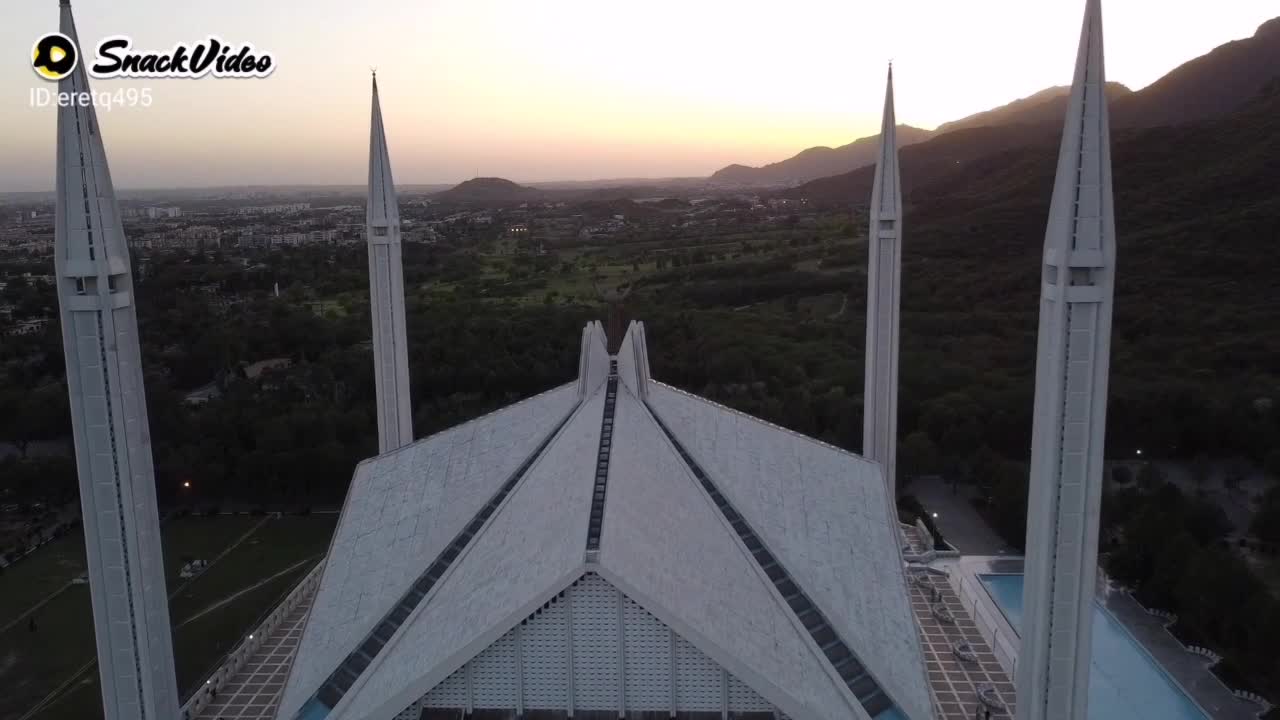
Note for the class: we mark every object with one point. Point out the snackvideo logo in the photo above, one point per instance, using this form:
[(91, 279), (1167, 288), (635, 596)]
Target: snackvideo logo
[(54, 57)]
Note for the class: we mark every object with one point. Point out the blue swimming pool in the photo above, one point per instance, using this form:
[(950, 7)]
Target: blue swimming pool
[(1125, 683)]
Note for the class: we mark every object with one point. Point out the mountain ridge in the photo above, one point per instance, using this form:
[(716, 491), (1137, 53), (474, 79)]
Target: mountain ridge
[(816, 162), (1211, 85)]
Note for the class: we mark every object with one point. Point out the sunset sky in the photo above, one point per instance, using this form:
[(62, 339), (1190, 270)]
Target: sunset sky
[(567, 89)]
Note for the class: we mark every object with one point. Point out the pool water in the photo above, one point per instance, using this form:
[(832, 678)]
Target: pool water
[(1125, 683)]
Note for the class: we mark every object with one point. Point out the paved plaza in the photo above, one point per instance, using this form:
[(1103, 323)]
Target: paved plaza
[(254, 692), (955, 682)]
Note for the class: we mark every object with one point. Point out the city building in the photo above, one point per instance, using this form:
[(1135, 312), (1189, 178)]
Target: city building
[(157, 212)]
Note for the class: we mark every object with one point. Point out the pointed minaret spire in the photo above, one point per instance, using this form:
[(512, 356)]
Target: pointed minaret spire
[(1077, 281), (386, 293), (109, 419), (884, 281)]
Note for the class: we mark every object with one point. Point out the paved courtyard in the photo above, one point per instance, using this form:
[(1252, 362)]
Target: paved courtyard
[(254, 692), (955, 682)]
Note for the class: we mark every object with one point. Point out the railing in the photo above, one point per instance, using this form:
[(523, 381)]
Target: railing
[(1256, 699), (931, 551), (1204, 652), (234, 660), (995, 630)]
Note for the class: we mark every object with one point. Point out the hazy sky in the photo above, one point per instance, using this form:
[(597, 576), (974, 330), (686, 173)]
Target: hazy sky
[(568, 89)]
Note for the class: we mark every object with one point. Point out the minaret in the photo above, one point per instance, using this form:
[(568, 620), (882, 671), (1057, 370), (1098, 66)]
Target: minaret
[(386, 294), (109, 420), (884, 289), (1069, 424)]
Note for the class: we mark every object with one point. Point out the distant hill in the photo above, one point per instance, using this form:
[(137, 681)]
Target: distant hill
[(1214, 85), (925, 163), (816, 162), (489, 191), (1211, 85), (1045, 108), (997, 200)]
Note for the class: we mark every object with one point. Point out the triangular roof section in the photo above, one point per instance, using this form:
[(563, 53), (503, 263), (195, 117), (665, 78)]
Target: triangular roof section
[(823, 513), (528, 668), (402, 509), (667, 546), (531, 549)]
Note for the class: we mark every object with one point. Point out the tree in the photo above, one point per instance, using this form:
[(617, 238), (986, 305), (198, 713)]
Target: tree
[(1201, 469), (917, 455), (1150, 477), (1121, 475), (1266, 522)]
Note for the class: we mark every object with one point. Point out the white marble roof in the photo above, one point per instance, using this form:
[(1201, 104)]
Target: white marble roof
[(531, 548), (402, 509), (666, 545), (824, 514)]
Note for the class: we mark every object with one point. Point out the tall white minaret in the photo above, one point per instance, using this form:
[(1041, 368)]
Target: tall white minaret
[(386, 294), (1069, 425), (109, 420), (884, 289)]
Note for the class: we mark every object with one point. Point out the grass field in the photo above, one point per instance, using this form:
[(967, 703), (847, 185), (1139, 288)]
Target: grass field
[(211, 613), (34, 578)]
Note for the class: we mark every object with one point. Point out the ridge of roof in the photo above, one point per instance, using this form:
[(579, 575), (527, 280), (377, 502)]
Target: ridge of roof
[(459, 426), (766, 423)]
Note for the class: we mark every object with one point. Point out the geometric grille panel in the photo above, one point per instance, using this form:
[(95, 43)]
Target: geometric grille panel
[(648, 659), (595, 644), (537, 651), (697, 679), (493, 675), (545, 651)]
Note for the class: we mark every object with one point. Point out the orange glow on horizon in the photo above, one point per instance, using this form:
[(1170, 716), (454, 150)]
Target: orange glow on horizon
[(570, 89)]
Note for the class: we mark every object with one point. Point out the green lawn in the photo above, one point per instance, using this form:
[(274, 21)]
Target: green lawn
[(32, 664), (274, 547), (40, 574), (199, 537)]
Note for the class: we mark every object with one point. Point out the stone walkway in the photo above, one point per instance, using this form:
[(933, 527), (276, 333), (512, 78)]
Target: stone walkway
[(955, 682), (254, 692), (959, 522)]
